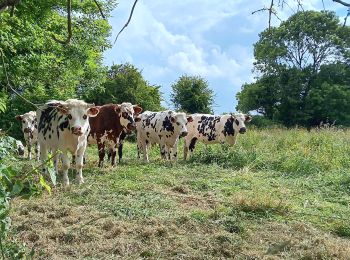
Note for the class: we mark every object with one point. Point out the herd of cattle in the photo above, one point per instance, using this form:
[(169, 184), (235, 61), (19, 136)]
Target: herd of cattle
[(68, 126)]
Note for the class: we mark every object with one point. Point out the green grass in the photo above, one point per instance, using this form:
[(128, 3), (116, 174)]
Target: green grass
[(277, 193)]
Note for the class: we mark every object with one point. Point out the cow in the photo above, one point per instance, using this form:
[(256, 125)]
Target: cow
[(30, 132), (107, 127), (212, 129), (163, 128), (64, 126)]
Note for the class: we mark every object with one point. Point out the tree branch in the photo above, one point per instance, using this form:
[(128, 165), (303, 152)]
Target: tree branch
[(8, 81), (346, 17), (100, 9), (69, 25), (342, 2), (127, 23)]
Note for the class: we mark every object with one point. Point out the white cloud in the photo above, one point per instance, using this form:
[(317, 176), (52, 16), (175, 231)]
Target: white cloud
[(210, 38)]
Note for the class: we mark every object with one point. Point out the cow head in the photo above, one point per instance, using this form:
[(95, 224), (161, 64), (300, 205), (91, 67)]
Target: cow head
[(77, 113), (179, 121), (29, 122), (238, 122), (128, 114)]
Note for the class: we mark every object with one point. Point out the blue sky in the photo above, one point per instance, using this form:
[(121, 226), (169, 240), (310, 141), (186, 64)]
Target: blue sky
[(210, 38)]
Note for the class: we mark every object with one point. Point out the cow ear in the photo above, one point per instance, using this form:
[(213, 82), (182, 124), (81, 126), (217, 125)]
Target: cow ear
[(248, 118), (137, 109), (19, 117), (189, 119), (117, 108), (93, 111), (63, 109), (172, 119)]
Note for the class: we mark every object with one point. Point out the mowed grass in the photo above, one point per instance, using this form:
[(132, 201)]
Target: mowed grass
[(277, 194)]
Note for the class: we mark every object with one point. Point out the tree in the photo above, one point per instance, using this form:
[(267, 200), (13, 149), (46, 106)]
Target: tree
[(296, 60), (192, 95), (306, 39), (126, 84), (35, 65)]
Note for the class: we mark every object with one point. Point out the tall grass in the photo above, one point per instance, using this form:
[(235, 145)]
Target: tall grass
[(295, 151)]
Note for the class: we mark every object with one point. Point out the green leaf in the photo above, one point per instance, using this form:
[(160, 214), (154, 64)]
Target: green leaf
[(17, 188), (44, 184), (52, 175)]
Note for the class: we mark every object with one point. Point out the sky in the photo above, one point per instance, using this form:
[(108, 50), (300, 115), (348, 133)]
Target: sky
[(209, 38)]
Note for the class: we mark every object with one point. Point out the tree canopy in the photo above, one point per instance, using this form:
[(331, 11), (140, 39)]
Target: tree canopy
[(192, 95), (302, 64), (126, 83), (40, 68)]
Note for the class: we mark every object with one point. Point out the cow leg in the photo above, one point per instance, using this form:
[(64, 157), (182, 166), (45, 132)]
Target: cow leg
[(37, 151), (163, 152), (120, 146), (65, 165), (185, 149), (43, 158), (29, 151), (192, 146), (120, 152), (113, 152), (79, 165), (55, 160), (101, 152), (145, 150), (173, 152), (109, 155)]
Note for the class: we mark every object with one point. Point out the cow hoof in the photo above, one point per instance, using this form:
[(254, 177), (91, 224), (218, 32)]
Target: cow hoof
[(80, 181)]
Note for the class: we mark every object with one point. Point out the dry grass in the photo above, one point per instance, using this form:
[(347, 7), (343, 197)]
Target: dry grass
[(199, 209)]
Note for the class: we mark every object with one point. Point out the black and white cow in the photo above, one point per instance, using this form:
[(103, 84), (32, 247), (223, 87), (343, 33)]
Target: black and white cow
[(163, 128), (64, 126), (30, 132), (211, 129)]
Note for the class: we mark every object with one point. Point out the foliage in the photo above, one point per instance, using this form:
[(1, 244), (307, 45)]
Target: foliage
[(192, 95), (14, 182), (304, 76), (125, 83), (40, 68)]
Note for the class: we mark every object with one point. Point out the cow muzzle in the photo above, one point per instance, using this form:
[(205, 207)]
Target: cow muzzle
[(131, 126), (183, 134), (77, 131), (242, 130)]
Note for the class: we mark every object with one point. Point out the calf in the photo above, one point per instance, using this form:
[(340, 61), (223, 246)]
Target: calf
[(30, 132), (107, 127), (211, 129), (163, 128), (64, 126)]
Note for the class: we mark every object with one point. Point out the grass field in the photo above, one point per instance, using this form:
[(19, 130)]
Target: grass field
[(277, 194)]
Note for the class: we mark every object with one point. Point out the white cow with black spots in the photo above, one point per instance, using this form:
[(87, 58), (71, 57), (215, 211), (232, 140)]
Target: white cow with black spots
[(64, 126), (212, 129), (30, 132), (163, 128)]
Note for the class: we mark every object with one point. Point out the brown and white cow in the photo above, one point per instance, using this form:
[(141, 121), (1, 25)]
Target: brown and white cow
[(211, 129), (64, 126), (30, 132), (107, 127), (162, 128)]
